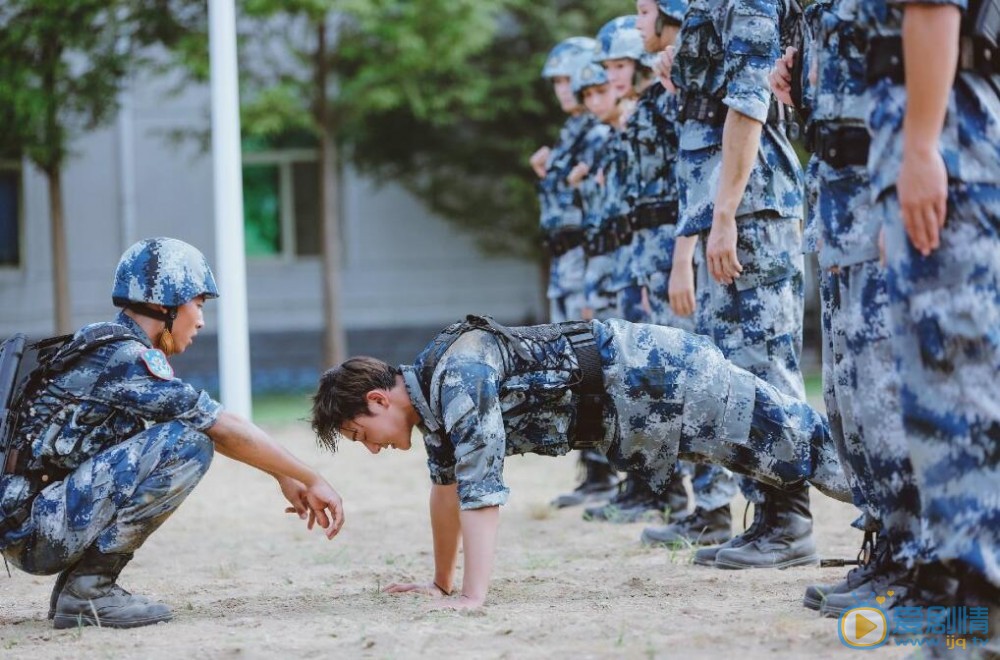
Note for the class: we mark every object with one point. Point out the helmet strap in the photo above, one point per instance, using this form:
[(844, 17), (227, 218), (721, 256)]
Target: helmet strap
[(660, 22), (144, 310)]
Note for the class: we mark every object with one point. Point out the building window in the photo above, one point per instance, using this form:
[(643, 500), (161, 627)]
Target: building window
[(281, 203), (10, 216)]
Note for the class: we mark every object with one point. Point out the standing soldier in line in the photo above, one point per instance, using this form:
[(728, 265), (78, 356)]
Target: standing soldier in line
[(742, 194), (561, 223), (934, 117), (652, 135), (860, 382), (620, 53)]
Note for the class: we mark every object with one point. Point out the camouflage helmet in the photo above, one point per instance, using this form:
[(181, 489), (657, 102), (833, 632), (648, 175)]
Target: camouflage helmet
[(162, 271), (619, 39), (673, 9), (590, 74), (568, 56)]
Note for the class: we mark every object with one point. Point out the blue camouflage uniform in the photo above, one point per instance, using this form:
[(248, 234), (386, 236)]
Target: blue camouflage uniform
[(860, 383), (561, 218), (945, 309), (652, 132), (724, 53), (668, 394), (120, 442), (596, 195)]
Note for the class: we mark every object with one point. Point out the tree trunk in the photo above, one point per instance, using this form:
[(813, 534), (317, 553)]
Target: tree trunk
[(60, 266), (334, 337)]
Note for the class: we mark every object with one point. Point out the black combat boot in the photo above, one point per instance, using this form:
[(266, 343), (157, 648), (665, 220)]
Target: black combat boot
[(785, 536), (635, 502), (91, 597), (600, 483), (875, 554), (706, 556), (700, 527)]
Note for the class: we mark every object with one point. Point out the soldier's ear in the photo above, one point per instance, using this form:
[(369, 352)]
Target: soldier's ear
[(378, 397)]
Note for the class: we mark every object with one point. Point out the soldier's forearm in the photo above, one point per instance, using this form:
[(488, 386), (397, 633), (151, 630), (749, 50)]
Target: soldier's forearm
[(930, 59), (479, 539), (684, 247), (241, 440), (740, 144), (446, 529)]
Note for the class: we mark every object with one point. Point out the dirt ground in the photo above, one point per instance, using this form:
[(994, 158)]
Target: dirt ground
[(246, 580)]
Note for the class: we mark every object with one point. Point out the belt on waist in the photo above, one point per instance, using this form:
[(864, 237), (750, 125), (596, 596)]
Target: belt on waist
[(614, 234), (563, 241), (839, 145), (589, 431), (654, 215)]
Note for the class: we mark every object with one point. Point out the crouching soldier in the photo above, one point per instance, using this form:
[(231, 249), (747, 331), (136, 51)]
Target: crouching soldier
[(644, 395), (109, 443)]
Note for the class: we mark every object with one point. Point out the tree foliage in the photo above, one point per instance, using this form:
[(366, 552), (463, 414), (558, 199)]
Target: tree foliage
[(65, 61), (442, 96)]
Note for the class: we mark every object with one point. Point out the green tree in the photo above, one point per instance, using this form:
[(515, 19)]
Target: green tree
[(443, 96), (64, 64)]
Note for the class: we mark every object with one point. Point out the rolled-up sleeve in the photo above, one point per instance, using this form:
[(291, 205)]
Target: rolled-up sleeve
[(473, 424), (752, 44)]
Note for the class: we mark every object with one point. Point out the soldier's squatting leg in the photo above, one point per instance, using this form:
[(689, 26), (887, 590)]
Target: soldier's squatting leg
[(946, 314), (114, 500)]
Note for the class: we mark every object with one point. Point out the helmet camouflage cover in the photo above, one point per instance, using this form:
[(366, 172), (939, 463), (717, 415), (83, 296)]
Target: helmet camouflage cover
[(619, 39), (568, 56), (162, 271), (589, 75)]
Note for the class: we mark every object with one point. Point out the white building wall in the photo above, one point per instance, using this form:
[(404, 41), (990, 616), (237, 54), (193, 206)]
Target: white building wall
[(402, 266)]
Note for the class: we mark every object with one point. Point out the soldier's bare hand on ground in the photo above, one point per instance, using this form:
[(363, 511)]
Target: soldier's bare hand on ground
[(662, 66), (923, 196), (578, 174), (680, 290), (422, 588), (539, 161), (780, 77), (723, 264)]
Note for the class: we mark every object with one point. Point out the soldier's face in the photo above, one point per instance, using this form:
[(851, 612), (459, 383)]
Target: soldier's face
[(564, 92), (620, 73), (188, 322), (386, 427), (602, 101), (645, 20)]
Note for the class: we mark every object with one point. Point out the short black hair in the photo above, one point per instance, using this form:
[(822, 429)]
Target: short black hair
[(341, 395)]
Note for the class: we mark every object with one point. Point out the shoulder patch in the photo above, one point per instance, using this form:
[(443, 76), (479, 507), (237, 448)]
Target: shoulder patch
[(157, 364)]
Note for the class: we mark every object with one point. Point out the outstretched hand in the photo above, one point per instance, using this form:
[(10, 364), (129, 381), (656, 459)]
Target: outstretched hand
[(318, 503)]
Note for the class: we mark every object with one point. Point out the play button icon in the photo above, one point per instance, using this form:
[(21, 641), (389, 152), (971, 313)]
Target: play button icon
[(863, 627)]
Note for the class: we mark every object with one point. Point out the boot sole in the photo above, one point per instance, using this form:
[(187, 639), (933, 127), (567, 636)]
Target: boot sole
[(811, 560), (812, 603), (64, 621)]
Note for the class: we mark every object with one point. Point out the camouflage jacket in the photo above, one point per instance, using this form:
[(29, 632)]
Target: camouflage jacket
[(725, 50), (554, 192)]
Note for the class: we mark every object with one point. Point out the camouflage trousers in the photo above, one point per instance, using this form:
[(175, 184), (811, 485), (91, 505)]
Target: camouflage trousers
[(757, 320), (566, 274), (629, 304), (945, 310), (713, 486), (114, 500), (861, 392)]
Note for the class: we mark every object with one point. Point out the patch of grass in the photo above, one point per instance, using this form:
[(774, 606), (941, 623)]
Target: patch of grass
[(281, 407)]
